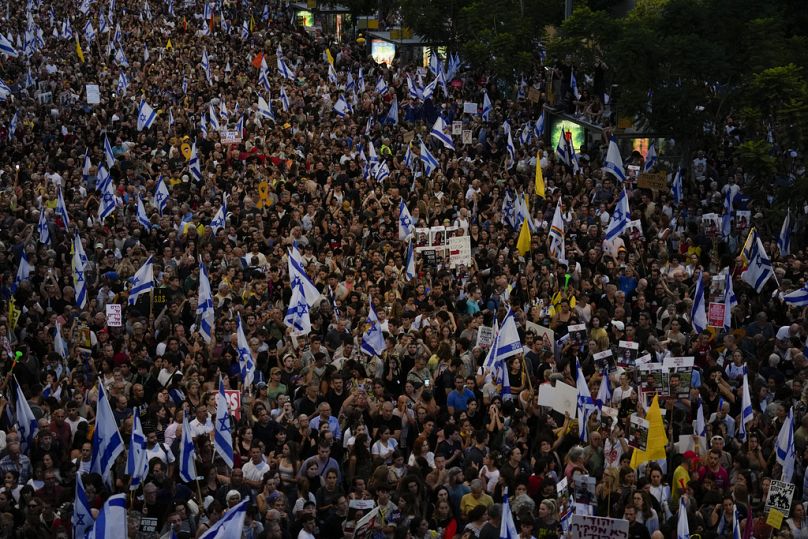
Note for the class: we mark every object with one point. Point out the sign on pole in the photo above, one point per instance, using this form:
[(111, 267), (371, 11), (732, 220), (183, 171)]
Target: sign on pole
[(589, 527)]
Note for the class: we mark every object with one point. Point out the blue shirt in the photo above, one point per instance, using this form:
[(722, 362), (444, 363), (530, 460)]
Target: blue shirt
[(333, 426), (459, 401)]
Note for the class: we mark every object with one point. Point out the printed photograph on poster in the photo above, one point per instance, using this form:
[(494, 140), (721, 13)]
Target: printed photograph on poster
[(467, 137), (653, 379), (742, 220), (638, 432), (457, 127), (604, 360), (780, 496), (421, 239), (680, 373), (584, 491), (437, 237), (546, 335), (485, 336), (577, 333), (634, 230), (711, 223), (627, 352)]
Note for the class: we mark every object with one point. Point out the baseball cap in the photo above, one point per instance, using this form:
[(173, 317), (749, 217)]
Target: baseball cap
[(618, 325)]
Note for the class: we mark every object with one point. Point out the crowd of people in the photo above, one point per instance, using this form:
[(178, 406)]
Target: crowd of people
[(425, 434)]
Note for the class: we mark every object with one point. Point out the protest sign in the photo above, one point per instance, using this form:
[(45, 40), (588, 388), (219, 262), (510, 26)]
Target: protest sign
[(457, 127), (466, 136), (590, 527), (459, 251), (562, 398), (638, 432), (780, 496), (114, 315), (604, 360), (680, 373), (233, 397), (715, 315), (230, 136), (546, 335), (469, 108), (656, 181), (93, 94), (485, 336), (627, 353)]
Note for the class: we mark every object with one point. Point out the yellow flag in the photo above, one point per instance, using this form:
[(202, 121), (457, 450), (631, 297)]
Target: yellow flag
[(539, 176), (657, 438), (79, 52), (169, 45), (252, 23), (329, 56), (523, 243)]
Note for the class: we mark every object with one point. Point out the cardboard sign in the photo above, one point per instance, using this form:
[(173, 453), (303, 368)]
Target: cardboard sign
[(234, 402), (780, 496), (114, 315), (638, 432), (775, 518), (589, 527), (148, 524), (546, 335), (485, 337), (230, 136), (459, 251), (457, 127), (715, 315), (469, 108), (656, 181), (627, 352), (562, 398), (93, 94), (466, 137)]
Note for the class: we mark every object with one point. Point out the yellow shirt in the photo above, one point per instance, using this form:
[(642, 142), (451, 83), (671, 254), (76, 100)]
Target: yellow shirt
[(469, 502), (681, 477)]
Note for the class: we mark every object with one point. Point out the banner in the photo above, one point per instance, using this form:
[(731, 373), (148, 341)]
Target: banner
[(589, 527)]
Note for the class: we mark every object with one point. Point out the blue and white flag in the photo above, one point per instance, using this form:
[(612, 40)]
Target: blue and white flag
[(726, 217), (161, 195), (108, 201), (194, 165), (82, 517), (409, 158), (508, 344), (111, 522), (123, 83), (676, 188), (213, 117), (298, 278), (428, 160), (759, 270), (5, 91), (223, 430), (614, 162), (265, 108), (392, 115), (142, 282), (231, 525), (382, 172), (142, 218), (784, 240), (574, 85), (682, 526), (7, 48), (487, 107), (120, 57), (786, 453), (373, 338), (507, 528), (409, 262), (187, 453), (730, 301), (12, 126), (439, 132), (67, 30), (240, 124), (170, 118), (604, 397), (538, 127), (61, 208), (651, 159), (103, 179), (620, 217), (698, 313), (341, 106), (412, 90), (284, 100), (109, 156), (509, 212), (746, 406), (361, 80), (204, 305), (798, 298), (23, 271), (59, 343), (245, 357), (511, 150), (332, 75), (406, 226), (297, 315), (381, 85), (284, 69), (107, 441), (145, 115), (205, 63), (43, 227), (490, 362), (245, 30), (78, 263), (585, 404), (89, 31), (137, 460), (219, 220), (700, 427), (736, 523), (563, 150), (27, 424)]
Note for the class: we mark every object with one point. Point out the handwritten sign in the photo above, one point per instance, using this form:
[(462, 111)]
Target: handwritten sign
[(469, 108), (656, 181), (457, 127), (114, 315), (93, 94), (234, 402), (780, 496), (230, 136), (459, 251), (562, 398), (775, 518), (589, 527), (485, 337)]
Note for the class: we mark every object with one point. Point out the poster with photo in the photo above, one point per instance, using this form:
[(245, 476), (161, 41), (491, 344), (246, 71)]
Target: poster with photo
[(712, 224), (604, 360), (743, 218), (577, 334), (653, 379), (437, 237), (627, 352), (421, 239), (546, 335), (584, 491), (680, 372), (638, 432), (634, 230)]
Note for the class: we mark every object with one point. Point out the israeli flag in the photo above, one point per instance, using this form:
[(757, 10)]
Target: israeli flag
[(89, 31), (507, 528), (245, 357), (798, 298), (102, 179), (562, 150), (511, 150), (525, 135), (538, 127), (245, 30), (605, 390), (508, 344), (123, 83), (406, 225), (205, 63), (361, 77), (746, 406), (109, 156), (142, 218), (736, 523), (429, 161), (585, 405), (67, 30), (784, 240), (78, 263), (112, 522), (204, 305), (786, 453), (194, 166), (284, 100), (43, 227), (59, 344), (700, 427), (392, 115), (297, 315), (726, 218), (137, 460), (170, 118), (676, 188), (759, 270), (373, 339), (61, 208), (265, 109), (614, 162), (161, 195), (409, 263), (682, 526), (223, 430), (12, 126), (107, 441), (145, 115), (220, 219), (438, 131), (487, 107), (509, 215), (240, 124), (382, 172), (82, 518), (332, 75), (574, 85), (23, 272), (108, 201), (231, 525), (381, 85), (120, 57), (142, 282), (698, 313), (27, 424), (213, 117), (300, 279), (650, 159), (284, 69), (341, 107), (429, 89), (412, 92), (730, 301), (187, 453), (620, 217), (203, 125), (7, 48), (409, 158)]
